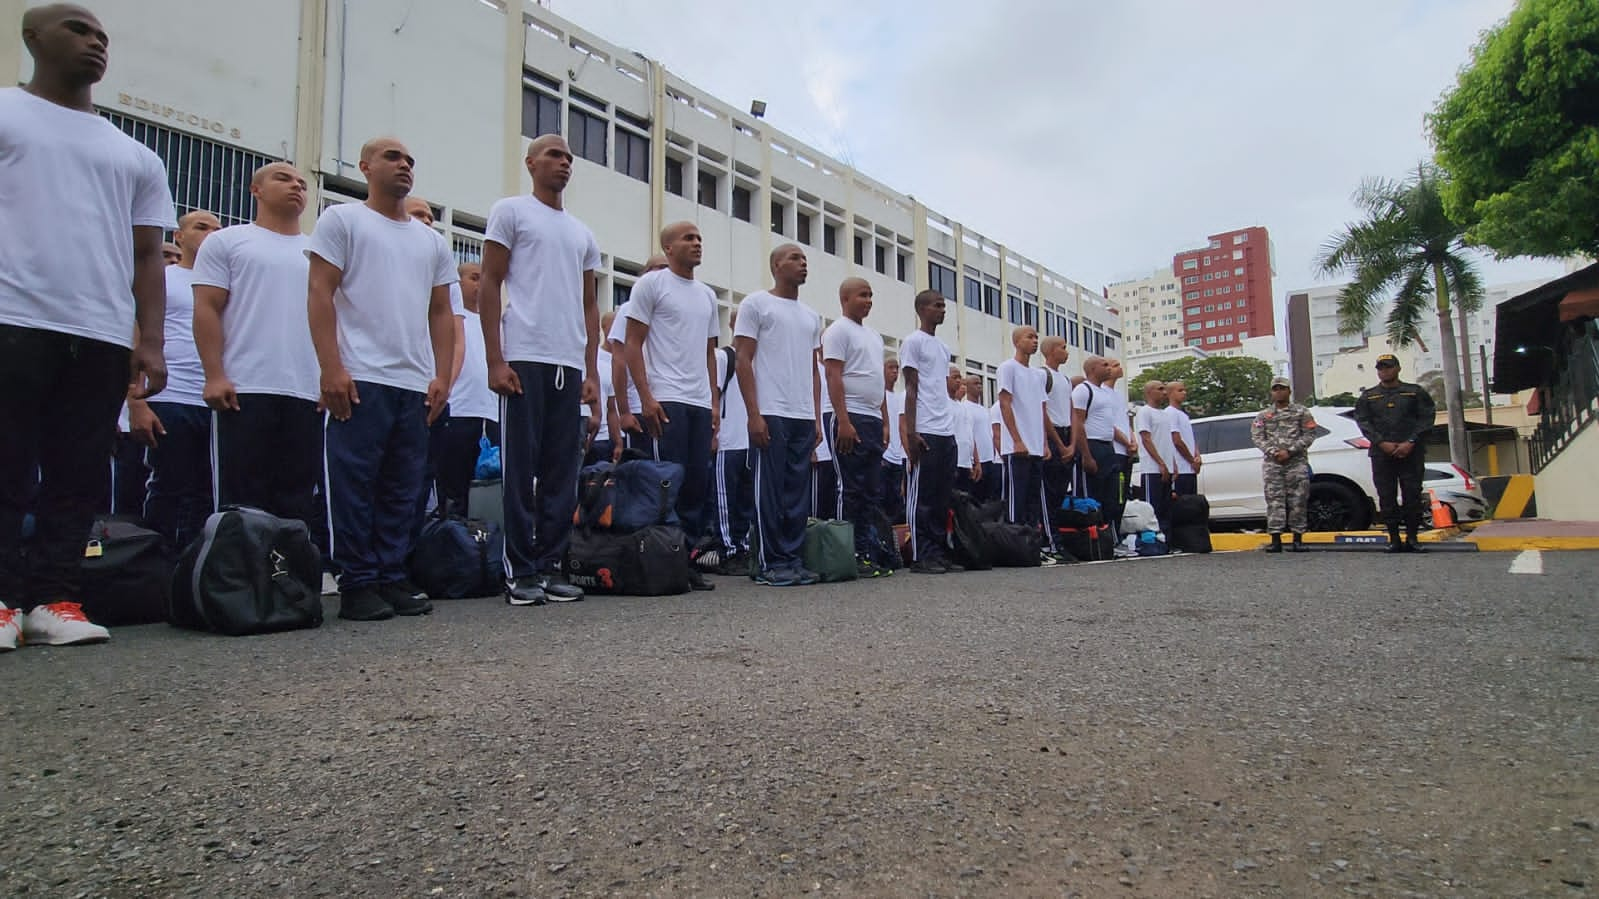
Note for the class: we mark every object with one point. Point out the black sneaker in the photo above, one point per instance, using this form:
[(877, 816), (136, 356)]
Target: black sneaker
[(1412, 546), (1395, 547), (529, 594), (805, 577), (404, 598), (697, 581), (920, 567), (953, 567), (735, 564), (559, 589), (363, 604)]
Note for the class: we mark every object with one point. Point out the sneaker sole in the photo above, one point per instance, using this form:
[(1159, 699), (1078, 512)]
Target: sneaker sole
[(522, 603), (551, 597), (383, 617), (80, 641)]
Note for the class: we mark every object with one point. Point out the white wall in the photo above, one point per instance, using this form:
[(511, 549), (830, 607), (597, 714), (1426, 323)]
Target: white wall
[(1568, 487)]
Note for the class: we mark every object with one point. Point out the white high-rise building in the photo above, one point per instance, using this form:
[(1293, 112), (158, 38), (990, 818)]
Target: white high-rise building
[(1151, 312)]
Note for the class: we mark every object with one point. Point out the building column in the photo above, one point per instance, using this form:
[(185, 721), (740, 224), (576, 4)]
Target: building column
[(12, 52), (310, 102), (656, 76), (515, 51)]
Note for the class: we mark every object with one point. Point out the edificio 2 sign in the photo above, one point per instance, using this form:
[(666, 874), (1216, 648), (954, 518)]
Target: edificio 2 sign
[(162, 111)]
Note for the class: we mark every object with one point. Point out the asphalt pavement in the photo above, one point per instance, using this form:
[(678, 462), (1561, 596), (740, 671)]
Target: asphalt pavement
[(1224, 725)]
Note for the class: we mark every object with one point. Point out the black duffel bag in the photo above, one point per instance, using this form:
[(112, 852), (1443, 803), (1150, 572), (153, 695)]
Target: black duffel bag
[(456, 558), (971, 546), (126, 574), (249, 573), (1193, 509), (1012, 545), (651, 561), (1189, 538)]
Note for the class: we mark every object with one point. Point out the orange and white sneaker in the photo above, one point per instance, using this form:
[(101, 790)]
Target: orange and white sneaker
[(10, 628), (61, 624)]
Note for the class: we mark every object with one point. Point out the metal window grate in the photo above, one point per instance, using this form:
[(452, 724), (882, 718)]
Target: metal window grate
[(203, 174), (467, 249)]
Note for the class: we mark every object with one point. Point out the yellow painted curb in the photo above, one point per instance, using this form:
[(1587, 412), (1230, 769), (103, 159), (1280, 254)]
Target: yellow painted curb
[(1244, 542), (1517, 496), (1516, 544)]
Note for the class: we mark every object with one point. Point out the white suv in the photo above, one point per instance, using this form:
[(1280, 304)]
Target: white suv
[(1341, 493)]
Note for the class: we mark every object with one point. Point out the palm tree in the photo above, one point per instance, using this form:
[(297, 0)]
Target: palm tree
[(1408, 249)]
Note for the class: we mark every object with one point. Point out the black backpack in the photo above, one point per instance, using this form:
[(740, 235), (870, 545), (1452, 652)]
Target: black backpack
[(1093, 543), (971, 546), (249, 573), (1193, 509), (126, 574), (455, 558), (651, 561), (1189, 538), (1012, 545)]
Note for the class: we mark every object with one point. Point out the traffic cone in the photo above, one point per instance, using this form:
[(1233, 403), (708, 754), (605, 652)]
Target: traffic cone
[(1442, 515)]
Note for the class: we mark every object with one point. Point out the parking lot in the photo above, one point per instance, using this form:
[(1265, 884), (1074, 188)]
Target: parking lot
[(1223, 725)]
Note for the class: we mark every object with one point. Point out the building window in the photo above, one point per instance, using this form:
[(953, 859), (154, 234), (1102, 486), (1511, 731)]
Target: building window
[(1210, 323), (674, 176), (585, 135), (1240, 238), (1209, 291), (974, 293), (1243, 335), (829, 238), (902, 264), (860, 250), (942, 279), (1190, 264), (620, 293), (541, 113), (991, 300), (202, 174), (1242, 319), (1191, 279), (633, 155), (1071, 338), (778, 210), (802, 228), (1214, 244), (741, 203), (707, 189), (880, 258), (1030, 315), (1191, 295), (1238, 272), (1210, 340), (1238, 254), (1013, 305), (1193, 326), (1110, 342)]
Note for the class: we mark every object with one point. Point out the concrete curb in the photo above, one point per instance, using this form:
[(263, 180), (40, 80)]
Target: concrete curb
[(1444, 538)]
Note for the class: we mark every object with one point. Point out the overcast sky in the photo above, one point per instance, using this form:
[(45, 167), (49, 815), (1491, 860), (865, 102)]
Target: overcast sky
[(1098, 138)]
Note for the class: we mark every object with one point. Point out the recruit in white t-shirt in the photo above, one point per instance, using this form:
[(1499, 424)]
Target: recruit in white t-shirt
[(390, 269), (965, 436), (734, 431), (542, 312), (185, 375), (1026, 388), (1058, 399), (823, 452), (926, 355), (681, 315), (1178, 419), (894, 452), (74, 187), (1122, 419), (979, 420), (860, 349), (617, 340), (470, 397), (787, 334), (1100, 421), (266, 334), (1157, 424)]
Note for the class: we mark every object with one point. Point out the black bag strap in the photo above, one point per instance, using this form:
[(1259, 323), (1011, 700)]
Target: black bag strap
[(731, 357)]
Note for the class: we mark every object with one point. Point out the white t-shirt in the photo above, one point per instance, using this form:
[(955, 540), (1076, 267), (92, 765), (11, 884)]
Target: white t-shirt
[(1100, 422), (1059, 399), (823, 452), (73, 187), (185, 375), (982, 428), (894, 453), (965, 436), (1122, 419), (681, 314), (787, 334), (861, 350), (615, 341), (1157, 424), (390, 269), (929, 358), (266, 334), (733, 433), (1026, 388), (1181, 425), (543, 300), (470, 397)]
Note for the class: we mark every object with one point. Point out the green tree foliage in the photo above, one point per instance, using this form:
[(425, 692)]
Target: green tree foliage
[(1519, 133), (1338, 399), (1217, 385)]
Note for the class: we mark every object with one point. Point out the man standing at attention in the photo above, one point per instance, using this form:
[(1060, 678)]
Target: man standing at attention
[(384, 333), (1024, 420), (176, 427), (1394, 415), (69, 320), (777, 340), (1058, 402), (1284, 432), (852, 355), (1094, 432), (254, 340), (894, 446), (672, 328), (474, 409), (929, 437), (990, 476), (1186, 481), (1157, 457), (543, 363)]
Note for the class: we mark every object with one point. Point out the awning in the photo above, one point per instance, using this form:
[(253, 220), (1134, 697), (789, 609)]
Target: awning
[(1528, 328), (1580, 304)]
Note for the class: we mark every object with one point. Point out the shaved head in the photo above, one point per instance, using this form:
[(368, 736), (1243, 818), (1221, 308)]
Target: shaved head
[(52, 13), (264, 172), (850, 285), (675, 230), (419, 209), (188, 219), (1051, 343), (377, 145), (543, 142), (779, 252), (654, 263)]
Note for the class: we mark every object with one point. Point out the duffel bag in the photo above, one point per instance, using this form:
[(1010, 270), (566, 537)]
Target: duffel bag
[(1189, 538), (1011, 545), (1077, 513), (651, 561), (596, 496), (1090, 544), (646, 494), (970, 544), (126, 574), (1193, 509), (455, 558), (830, 550), (249, 573)]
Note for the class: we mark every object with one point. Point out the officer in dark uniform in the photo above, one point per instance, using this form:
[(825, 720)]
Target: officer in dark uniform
[(1394, 415)]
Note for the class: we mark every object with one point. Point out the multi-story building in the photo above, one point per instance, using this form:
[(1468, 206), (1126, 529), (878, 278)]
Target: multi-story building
[(1227, 289), (465, 83), (1151, 312)]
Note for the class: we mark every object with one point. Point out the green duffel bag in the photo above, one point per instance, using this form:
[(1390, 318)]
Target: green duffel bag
[(830, 550)]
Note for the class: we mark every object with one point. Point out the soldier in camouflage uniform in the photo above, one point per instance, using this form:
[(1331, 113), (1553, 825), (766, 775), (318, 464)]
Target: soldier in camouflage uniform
[(1284, 432)]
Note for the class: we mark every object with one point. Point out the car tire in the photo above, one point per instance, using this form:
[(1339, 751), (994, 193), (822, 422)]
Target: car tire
[(1335, 507)]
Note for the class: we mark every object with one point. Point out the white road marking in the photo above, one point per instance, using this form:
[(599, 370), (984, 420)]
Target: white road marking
[(1527, 562)]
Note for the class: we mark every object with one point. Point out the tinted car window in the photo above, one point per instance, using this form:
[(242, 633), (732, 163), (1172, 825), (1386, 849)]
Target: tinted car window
[(1226, 434)]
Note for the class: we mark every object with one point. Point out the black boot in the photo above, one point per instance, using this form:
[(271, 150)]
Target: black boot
[(1276, 544), (1299, 543), (1394, 546)]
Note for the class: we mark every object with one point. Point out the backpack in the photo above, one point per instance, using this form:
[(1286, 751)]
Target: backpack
[(1193, 509), (249, 573), (731, 357), (1189, 538), (126, 574), (1077, 513), (596, 496), (454, 558), (885, 551), (970, 543), (1093, 543), (645, 494), (1138, 515), (830, 550), (651, 561), (1012, 545)]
